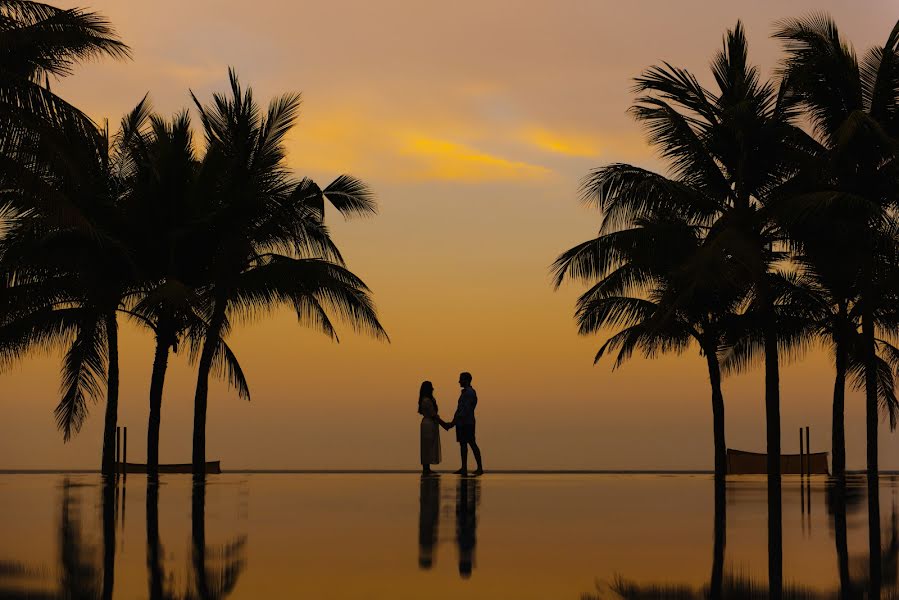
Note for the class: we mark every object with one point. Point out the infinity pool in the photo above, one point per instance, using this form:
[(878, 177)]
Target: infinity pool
[(399, 536)]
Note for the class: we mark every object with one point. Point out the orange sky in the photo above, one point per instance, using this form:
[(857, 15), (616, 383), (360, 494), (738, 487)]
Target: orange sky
[(474, 124)]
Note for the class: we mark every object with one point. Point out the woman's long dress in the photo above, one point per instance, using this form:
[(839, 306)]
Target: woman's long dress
[(430, 433)]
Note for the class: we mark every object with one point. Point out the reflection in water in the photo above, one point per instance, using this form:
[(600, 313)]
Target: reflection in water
[(837, 498), (214, 576), (720, 538), (77, 575), (109, 503), (428, 519), (85, 573), (468, 496), (343, 537), (154, 544), (862, 585)]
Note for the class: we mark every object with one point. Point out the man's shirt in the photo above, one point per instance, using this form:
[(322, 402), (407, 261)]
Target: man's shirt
[(468, 400)]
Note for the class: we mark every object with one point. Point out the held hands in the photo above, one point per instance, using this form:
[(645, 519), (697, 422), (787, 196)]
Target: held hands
[(445, 425)]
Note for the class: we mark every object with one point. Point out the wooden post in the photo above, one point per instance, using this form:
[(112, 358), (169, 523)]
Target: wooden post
[(801, 455), (808, 494), (118, 448), (124, 451), (808, 454)]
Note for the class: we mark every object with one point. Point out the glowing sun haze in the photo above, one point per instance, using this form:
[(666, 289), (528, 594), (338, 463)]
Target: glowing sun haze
[(473, 122)]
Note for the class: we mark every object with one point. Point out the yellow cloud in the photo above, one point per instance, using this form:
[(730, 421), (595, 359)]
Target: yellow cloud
[(446, 160), (402, 148), (562, 143)]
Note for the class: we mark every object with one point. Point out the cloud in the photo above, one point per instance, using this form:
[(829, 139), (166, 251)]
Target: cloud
[(405, 148), (446, 160), (571, 144)]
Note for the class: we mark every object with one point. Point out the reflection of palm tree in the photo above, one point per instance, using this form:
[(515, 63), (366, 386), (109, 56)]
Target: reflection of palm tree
[(734, 588), (888, 565), (154, 544), (79, 577), (836, 501), (720, 538), (744, 588), (428, 519), (208, 582), (211, 582), (109, 505), (468, 496)]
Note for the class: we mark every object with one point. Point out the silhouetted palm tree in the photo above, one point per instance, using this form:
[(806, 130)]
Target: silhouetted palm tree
[(852, 107), (267, 244), (820, 240), (64, 281), (658, 301), (821, 310), (162, 214), (44, 145), (38, 41), (727, 150)]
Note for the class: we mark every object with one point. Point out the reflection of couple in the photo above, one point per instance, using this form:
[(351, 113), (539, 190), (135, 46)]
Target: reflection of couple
[(468, 495), (463, 421)]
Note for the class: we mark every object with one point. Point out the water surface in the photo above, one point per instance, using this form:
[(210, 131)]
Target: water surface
[(398, 536)]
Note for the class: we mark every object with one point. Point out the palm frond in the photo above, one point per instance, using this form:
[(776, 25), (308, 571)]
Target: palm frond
[(351, 197), (227, 367), (299, 282), (83, 372)]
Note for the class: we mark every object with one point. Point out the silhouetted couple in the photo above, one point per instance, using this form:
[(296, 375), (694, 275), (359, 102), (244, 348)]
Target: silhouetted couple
[(463, 421)]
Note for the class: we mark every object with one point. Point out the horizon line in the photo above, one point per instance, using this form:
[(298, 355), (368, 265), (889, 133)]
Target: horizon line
[(418, 472)]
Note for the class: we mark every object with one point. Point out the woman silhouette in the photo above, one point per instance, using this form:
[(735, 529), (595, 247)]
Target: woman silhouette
[(430, 428)]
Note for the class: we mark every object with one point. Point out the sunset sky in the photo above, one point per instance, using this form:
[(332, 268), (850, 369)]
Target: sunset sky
[(474, 123)]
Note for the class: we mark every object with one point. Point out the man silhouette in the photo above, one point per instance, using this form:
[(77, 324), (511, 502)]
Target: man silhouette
[(464, 423)]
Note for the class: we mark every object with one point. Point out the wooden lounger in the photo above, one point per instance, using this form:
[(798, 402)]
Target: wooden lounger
[(754, 463), (213, 466)]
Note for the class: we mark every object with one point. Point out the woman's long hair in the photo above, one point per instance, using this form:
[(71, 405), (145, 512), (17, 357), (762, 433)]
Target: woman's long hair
[(426, 391)]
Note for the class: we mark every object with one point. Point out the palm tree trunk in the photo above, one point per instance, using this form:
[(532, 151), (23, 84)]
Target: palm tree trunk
[(164, 338), (873, 471), (107, 465), (772, 419), (202, 393), (711, 355), (717, 579), (838, 426)]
